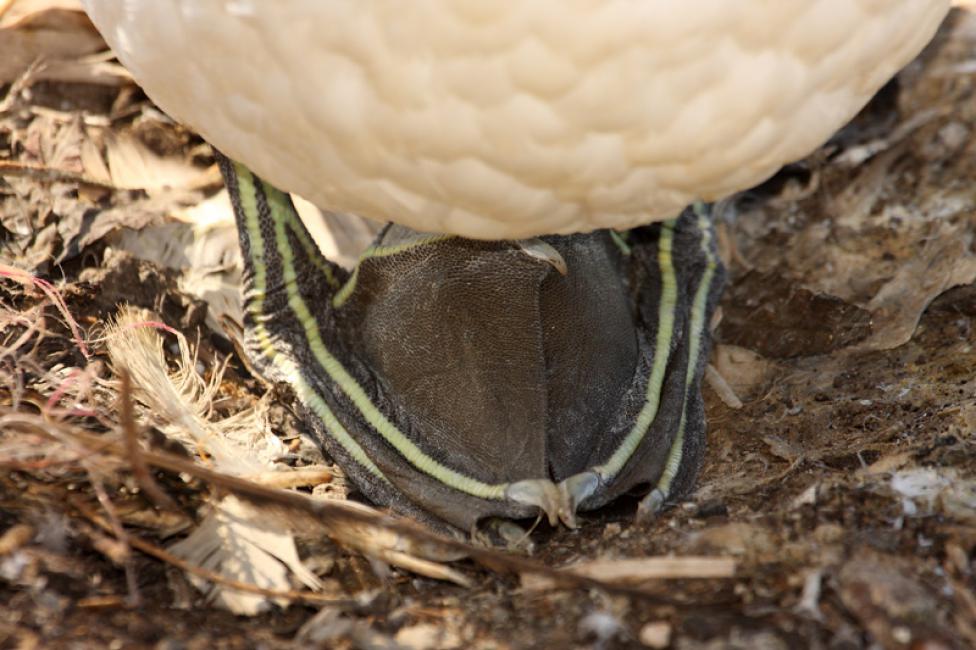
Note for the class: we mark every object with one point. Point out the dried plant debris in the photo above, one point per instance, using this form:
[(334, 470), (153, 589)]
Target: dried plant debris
[(883, 238), (240, 543), (139, 456), (179, 403), (58, 38), (796, 322), (236, 542)]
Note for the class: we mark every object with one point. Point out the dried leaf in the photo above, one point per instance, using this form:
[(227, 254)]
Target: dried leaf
[(57, 32), (237, 541), (132, 165), (202, 244)]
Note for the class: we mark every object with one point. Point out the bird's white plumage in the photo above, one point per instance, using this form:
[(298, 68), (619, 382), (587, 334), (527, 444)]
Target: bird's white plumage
[(513, 118)]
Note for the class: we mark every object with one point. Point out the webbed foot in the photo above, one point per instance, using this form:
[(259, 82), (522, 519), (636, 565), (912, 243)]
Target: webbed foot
[(457, 380)]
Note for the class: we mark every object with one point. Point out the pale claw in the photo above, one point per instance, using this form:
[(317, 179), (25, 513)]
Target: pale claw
[(650, 506), (572, 492), (540, 250), (541, 493)]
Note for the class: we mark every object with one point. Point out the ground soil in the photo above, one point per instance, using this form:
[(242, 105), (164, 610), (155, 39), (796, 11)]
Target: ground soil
[(844, 487)]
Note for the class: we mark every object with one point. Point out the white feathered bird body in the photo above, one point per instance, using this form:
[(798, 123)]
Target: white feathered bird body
[(506, 119)]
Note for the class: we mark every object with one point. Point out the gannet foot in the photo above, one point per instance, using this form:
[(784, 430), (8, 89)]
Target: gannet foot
[(572, 492), (541, 493)]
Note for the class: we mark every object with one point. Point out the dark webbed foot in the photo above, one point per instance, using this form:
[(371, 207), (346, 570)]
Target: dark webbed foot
[(456, 380)]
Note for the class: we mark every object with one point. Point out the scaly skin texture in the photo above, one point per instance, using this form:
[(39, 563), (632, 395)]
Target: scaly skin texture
[(456, 380), (505, 119)]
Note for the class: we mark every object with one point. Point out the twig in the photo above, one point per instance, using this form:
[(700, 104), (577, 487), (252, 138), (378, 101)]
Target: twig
[(140, 471), (161, 554), (121, 536), (721, 387), (50, 174), (637, 570), (296, 478), (329, 514), (24, 80)]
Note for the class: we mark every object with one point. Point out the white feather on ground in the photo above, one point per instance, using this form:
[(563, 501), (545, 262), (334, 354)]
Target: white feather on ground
[(179, 402), (238, 541)]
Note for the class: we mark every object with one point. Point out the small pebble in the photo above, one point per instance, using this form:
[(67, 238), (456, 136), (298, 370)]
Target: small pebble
[(902, 634), (656, 634)]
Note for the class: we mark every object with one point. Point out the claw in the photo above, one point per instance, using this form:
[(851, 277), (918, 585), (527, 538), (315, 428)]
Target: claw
[(650, 506), (572, 492), (540, 250), (541, 493)]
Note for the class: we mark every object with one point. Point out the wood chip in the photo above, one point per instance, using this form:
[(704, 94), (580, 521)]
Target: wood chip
[(632, 571)]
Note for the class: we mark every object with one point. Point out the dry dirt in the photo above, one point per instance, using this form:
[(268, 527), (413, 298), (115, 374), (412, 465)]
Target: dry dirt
[(843, 489)]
